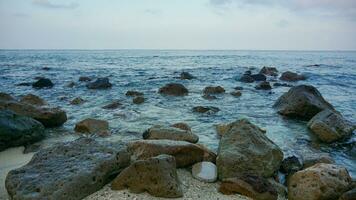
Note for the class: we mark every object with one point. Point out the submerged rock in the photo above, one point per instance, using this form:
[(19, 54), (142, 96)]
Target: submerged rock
[(90, 125), (138, 100), (132, 93), (170, 133), (70, 84), (259, 77), (206, 109), (247, 78), (173, 89), (84, 79), (263, 86), (213, 90), (17, 130), (113, 105), (33, 100), (330, 126), (291, 76), (157, 175), (77, 101), (303, 101), (186, 76), (319, 182), (236, 93), (252, 186), (100, 83), (43, 83), (71, 170), (24, 84), (244, 148), (269, 71), (205, 172), (185, 153)]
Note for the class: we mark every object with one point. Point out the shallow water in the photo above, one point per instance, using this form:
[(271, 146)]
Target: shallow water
[(148, 70)]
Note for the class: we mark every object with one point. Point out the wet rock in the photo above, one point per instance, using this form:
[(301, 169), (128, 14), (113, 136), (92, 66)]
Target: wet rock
[(182, 126), (263, 86), (157, 175), (259, 77), (100, 83), (6, 97), (236, 93), (238, 88), (49, 117), (24, 84), (222, 129), (33, 100), (291, 165), (246, 79), (84, 79), (113, 105), (43, 83), (186, 76), (71, 84), (174, 89), (282, 85), (213, 90), (46, 68), (94, 126), (206, 109), (132, 93), (330, 126), (252, 186), (185, 153), (246, 149), (312, 159), (205, 172), (31, 148), (209, 97), (319, 182), (138, 100), (77, 101), (291, 76), (17, 130), (71, 170), (349, 195), (303, 101), (170, 133), (269, 71)]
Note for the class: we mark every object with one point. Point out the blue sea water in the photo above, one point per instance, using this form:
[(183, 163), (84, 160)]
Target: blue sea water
[(148, 70)]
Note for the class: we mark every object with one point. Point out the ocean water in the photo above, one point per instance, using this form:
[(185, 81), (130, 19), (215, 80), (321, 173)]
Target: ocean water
[(148, 70)]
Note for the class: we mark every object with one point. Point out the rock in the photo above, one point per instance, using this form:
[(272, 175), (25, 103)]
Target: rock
[(113, 105), (100, 83), (43, 83), (90, 125), (246, 149), (252, 186), (24, 84), (206, 109), (246, 79), (236, 93), (46, 68), (259, 77), (282, 85), (33, 100), (169, 133), (6, 97), (330, 126), (77, 101), (157, 175), (291, 76), (319, 182), (84, 79), (185, 153), (71, 84), (71, 170), (349, 195), (303, 101), (182, 126), (238, 88), (213, 90), (269, 71), (209, 97), (138, 100), (132, 93), (49, 117), (205, 172), (291, 165), (174, 89), (222, 129), (312, 159), (186, 75), (263, 86), (17, 130)]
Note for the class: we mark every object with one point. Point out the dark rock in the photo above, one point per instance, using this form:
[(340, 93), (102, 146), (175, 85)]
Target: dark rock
[(84, 79), (303, 101), (33, 100), (157, 176), (206, 109), (17, 130), (113, 105), (6, 97), (269, 71), (259, 77), (43, 83), (238, 88), (24, 84), (138, 100), (46, 68), (133, 93), (246, 79), (263, 86), (236, 93), (77, 101), (291, 76), (100, 83), (186, 75), (282, 85), (213, 90), (71, 170), (174, 89), (291, 165), (248, 72), (209, 97)]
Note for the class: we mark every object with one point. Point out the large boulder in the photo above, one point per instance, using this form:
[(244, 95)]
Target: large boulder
[(42, 83), (100, 83), (252, 186), (90, 125), (185, 153), (213, 90), (49, 117), (17, 130), (71, 170), (157, 175), (173, 89), (246, 149), (303, 101), (330, 126), (291, 76), (319, 182), (170, 133), (33, 100)]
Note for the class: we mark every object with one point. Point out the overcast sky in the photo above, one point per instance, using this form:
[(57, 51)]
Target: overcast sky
[(179, 24)]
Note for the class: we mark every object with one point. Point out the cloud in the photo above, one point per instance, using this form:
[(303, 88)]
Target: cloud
[(51, 5)]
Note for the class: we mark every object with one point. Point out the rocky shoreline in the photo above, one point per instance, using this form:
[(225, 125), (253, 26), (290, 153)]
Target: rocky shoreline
[(247, 162)]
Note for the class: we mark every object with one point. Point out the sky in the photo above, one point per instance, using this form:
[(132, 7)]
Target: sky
[(178, 24)]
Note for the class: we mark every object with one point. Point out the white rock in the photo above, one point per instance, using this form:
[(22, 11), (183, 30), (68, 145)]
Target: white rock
[(205, 171)]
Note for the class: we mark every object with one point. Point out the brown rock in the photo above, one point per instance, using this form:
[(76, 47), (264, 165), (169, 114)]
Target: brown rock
[(132, 93), (77, 101), (206, 109), (92, 126), (236, 93), (170, 133), (6, 97), (291, 76), (182, 125), (138, 100), (213, 90), (33, 100), (269, 71), (174, 89)]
